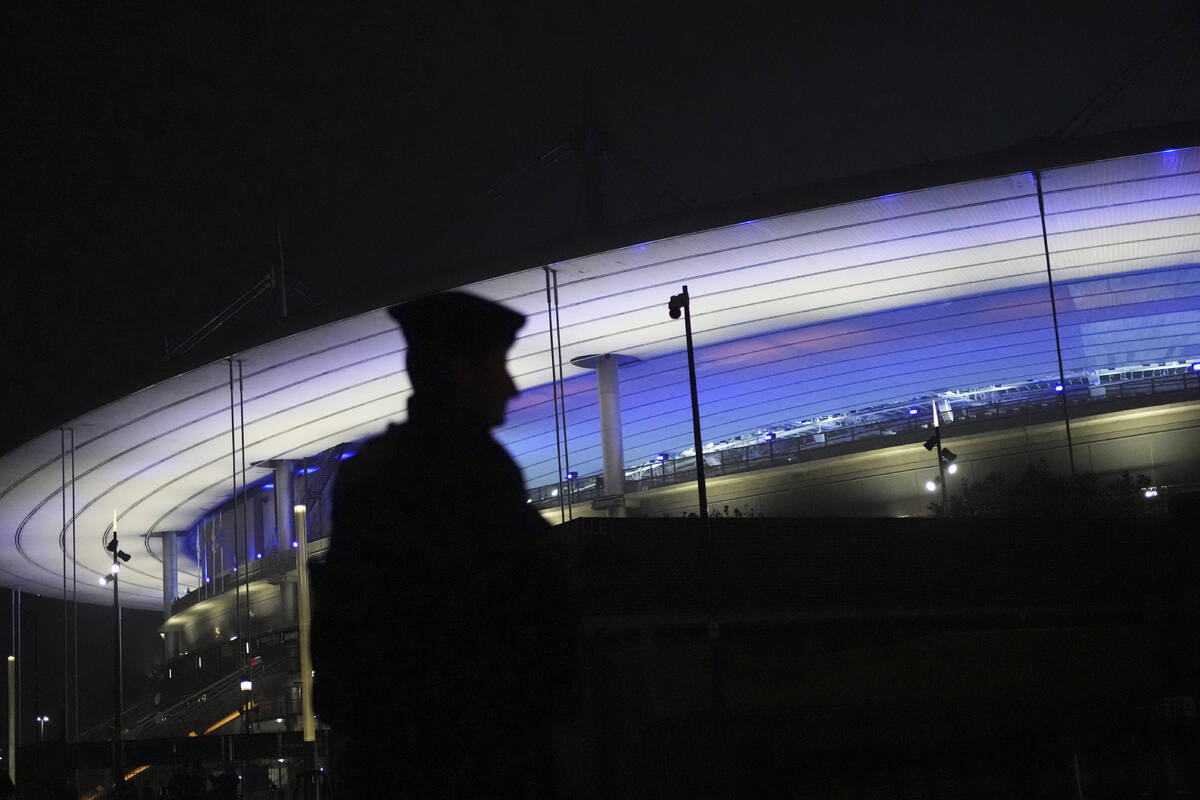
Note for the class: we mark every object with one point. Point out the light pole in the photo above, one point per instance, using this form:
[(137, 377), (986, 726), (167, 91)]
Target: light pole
[(42, 719), (119, 557), (682, 301), (945, 457)]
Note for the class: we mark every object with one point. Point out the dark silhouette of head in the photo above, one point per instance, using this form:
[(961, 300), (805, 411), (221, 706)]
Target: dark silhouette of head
[(457, 347)]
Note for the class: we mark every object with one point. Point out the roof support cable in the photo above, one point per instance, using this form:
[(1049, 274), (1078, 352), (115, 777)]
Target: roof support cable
[(562, 509), (244, 647), (641, 166), (74, 605), (237, 584), (1062, 381), (562, 394), (1102, 99), (1184, 76), (62, 540)]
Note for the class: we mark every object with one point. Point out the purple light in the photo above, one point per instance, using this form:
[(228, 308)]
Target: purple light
[(309, 471), (344, 456), (268, 486)]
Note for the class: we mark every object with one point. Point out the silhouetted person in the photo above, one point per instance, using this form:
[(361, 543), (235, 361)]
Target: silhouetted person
[(444, 634)]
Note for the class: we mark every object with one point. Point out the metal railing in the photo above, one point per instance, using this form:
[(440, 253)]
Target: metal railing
[(1040, 403)]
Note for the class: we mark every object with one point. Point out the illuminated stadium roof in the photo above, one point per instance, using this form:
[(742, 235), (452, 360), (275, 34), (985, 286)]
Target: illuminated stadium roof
[(799, 314)]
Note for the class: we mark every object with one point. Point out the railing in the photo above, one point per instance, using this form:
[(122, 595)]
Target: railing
[(1039, 404), (273, 564)]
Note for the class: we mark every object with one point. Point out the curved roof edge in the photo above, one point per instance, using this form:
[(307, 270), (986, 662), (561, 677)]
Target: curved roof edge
[(1042, 153)]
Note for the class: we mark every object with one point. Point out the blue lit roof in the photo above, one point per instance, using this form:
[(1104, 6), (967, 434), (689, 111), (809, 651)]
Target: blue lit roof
[(797, 315)]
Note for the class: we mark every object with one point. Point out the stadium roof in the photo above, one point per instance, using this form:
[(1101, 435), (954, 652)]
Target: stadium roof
[(863, 301)]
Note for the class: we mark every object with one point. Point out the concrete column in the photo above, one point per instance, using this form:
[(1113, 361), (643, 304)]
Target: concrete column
[(170, 576), (285, 502), (287, 599), (611, 438)]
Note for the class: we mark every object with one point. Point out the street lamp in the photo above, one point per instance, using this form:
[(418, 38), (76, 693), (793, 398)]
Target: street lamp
[(42, 719), (119, 557), (945, 456), (682, 302)]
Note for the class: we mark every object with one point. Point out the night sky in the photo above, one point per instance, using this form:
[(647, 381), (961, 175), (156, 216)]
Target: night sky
[(153, 153), (156, 151)]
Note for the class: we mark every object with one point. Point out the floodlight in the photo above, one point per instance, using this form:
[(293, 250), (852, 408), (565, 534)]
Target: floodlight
[(246, 685), (678, 302), (661, 457), (769, 437), (115, 568), (105, 580), (948, 455), (1151, 492), (1196, 367), (931, 442), (931, 486), (572, 475), (121, 554), (952, 468), (1058, 387), (912, 412)]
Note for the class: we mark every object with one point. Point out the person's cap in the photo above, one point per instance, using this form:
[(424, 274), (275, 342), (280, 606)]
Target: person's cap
[(456, 322)]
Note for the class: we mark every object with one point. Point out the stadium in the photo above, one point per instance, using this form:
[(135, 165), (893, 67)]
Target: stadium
[(1037, 304)]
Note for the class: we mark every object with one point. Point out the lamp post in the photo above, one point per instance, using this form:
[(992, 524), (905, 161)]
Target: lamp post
[(41, 720), (119, 557), (682, 301), (945, 458)]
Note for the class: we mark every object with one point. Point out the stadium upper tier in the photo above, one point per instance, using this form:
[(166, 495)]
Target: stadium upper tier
[(861, 305)]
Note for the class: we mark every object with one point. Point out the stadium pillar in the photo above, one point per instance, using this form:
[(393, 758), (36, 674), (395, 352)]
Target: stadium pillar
[(170, 576), (611, 437), (612, 443), (285, 501)]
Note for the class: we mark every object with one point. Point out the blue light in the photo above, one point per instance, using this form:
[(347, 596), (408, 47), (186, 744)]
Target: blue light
[(770, 437), (1196, 367), (1058, 388), (572, 476), (259, 555), (268, 486), (344, 456), (295, 544), (661, 457), (309, 471), (912, 412)]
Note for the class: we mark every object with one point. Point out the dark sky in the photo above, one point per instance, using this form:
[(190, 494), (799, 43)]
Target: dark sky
[(152, 151), (156, 148)]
